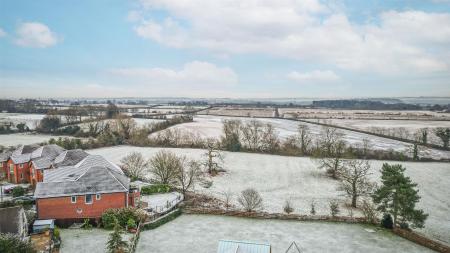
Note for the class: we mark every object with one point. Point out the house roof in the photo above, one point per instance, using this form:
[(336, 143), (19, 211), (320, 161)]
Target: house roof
[(69, 157), (42, 163), (9, 219), (95, 179), (25, 153), (229, 246), (5, 156)]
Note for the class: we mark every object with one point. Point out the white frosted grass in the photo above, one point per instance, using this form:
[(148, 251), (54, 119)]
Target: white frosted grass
[(201, 234), (25, 139), (30, 120), (211, 127), (89, 241), (279, 178)]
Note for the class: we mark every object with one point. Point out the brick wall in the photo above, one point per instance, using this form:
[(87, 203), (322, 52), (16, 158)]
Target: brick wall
[(20, 175), (3, 170), (63, 208)]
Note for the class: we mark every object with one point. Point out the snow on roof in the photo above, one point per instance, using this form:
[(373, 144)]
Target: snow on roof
[(70, 157), (5, 156), (25, 153), (42, 163), (229, 246), (43, 222), (95, 179)]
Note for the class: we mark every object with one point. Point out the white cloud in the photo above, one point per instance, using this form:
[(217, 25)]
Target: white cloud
[(400, 42), (2, 33), (316, 76), (194, 74), (33, 34)]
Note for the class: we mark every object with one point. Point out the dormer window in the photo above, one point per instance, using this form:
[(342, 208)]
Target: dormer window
[(73, 199)]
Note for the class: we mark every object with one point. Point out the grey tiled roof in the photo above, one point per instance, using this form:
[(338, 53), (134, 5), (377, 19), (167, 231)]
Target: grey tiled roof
[(25, 149), (50, 151), (96, 179), (25, 153), (23, 158), (4, 156), (69, 157), (42, 163)]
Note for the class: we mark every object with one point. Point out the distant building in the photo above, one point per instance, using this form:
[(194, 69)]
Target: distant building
[(84, 190), (228, 246), (13, 220), (4, 164)]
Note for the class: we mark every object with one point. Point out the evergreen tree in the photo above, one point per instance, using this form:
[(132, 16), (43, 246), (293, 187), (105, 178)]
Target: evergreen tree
[(115, 243), (398, 197)]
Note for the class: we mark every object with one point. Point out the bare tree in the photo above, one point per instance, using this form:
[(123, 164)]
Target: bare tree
[(251, 134), (444, 135), (332, 151), (125, 126), (250, 200), (213, 157), (134, 165), (187, 173), (304, 138), (228, 195), (164, 166), (369, 211), (269, 141), (231, 139), (355, 181)]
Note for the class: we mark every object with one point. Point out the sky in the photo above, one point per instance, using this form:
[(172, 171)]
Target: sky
[(226, 48)]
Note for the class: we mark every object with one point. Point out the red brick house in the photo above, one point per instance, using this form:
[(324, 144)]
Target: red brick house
[(86, 190), (4, 157), (24, 162)]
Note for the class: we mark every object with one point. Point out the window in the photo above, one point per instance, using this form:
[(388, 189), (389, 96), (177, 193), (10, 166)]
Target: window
[(11, 169), (88, 199), (98, 196), (21, 175), (21, 165), (73, 199)]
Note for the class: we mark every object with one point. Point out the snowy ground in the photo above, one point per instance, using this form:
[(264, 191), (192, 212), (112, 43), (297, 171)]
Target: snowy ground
[(160, 203), (201, 234), (279, 178), (140, 122), (31, 120), (25, 138), (211, 127), (91, 241)]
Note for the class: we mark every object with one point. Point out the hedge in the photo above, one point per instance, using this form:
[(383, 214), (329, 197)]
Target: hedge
[(169, 217), (156, 188)]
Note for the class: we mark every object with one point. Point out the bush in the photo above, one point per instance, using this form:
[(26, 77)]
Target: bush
[(86, 224), (250, 200), (387, 222), (122, 215), (164, 220), (334, 208), (18, 191), (287, 208), (10, 243), (156, 188), (131, 223)]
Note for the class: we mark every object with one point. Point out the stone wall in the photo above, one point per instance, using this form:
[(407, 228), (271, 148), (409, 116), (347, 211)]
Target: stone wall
[(422, 240)]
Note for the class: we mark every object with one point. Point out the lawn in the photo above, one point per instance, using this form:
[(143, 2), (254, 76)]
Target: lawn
[(201, 234)]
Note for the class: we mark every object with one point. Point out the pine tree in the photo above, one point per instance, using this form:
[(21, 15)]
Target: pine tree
[(115, 243), (398, 197)]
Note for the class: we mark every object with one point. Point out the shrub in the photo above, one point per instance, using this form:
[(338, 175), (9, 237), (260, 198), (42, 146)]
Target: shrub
[(387, 222), (164, 220), (56, 233), (131, 223), (86, 224), (313, 208), (334, 208), (287, 208), (250, 200), (122, 215), (18, 191), (156, 188), (10, 243)]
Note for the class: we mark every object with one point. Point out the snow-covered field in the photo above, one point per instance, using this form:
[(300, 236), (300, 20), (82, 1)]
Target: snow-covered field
[(279, 178), (211, 127), (31, 120), (201, 234), (140, 122), (361, 114), (25, 139), (243, 112), (90, 241)]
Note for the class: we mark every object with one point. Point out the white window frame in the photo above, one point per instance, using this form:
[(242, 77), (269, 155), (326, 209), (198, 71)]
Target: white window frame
[(21, 165), (72, 199), (98, 196), (85, 199)]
